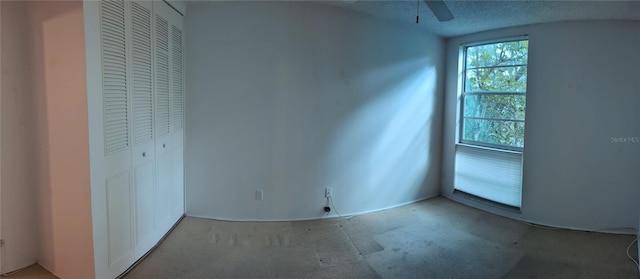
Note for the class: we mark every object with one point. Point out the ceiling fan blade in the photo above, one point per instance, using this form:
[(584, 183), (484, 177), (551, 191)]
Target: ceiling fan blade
[(439, 9)]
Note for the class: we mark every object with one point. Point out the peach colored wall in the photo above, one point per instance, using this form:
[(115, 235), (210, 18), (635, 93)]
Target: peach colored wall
[(64, 193), (18, 191)]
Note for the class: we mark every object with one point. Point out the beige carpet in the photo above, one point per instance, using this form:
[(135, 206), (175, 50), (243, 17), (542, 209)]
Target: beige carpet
[(436, 238), (32, 272)]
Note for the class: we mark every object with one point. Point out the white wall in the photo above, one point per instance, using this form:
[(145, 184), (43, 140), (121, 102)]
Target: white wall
[(58, 77), (583, 89), (290, 97), (19, 226), (46, 206)]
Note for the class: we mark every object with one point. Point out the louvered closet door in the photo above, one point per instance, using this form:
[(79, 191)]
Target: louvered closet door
[(117, 138), (169, 94), (143, 133), (163, 115), (177, 115)]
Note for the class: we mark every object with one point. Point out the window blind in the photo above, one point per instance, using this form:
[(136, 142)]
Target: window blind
[(489, 174)]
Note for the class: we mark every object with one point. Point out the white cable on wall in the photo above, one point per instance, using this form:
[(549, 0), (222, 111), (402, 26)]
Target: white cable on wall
[(630, 257)]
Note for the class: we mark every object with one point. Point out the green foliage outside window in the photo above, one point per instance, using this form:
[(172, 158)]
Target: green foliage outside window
[(494, 98)]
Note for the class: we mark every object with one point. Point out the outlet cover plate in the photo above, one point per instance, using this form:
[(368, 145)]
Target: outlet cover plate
[(328, 192)]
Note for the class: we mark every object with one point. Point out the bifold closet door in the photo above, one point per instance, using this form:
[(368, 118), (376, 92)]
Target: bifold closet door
[(137, 121), (117, 173), (127, 76), (177, 114), (140, 43), (169, 93), (163, 117)]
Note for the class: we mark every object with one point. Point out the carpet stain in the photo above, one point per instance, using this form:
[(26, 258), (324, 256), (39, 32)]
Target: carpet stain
[(214, 238)]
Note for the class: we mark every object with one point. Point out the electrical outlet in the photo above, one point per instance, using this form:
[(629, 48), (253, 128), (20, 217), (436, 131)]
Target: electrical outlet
[(259, 195), (328, 192)]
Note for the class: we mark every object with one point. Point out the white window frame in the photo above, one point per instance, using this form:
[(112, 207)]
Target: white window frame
[(461, 95)]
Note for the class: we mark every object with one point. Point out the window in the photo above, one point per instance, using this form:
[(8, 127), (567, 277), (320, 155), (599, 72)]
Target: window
[(494, 94), (492, 113)]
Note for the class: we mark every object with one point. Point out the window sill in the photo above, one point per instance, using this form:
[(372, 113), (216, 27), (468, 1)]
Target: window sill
[(479, 200), (489, 148)]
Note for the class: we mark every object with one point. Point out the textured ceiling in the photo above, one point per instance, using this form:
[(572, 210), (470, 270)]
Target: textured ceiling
[(476, 16)]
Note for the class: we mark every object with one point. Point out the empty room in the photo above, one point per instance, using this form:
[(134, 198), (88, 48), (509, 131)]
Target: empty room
[(319, 139)]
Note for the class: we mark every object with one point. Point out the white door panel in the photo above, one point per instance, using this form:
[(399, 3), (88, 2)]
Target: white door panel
[(164, 201), (145, 207), (120, 239), (117, 163), (178, 181), (177, 138)]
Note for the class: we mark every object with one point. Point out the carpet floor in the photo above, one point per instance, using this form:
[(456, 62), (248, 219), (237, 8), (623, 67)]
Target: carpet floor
[(435, 238)]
